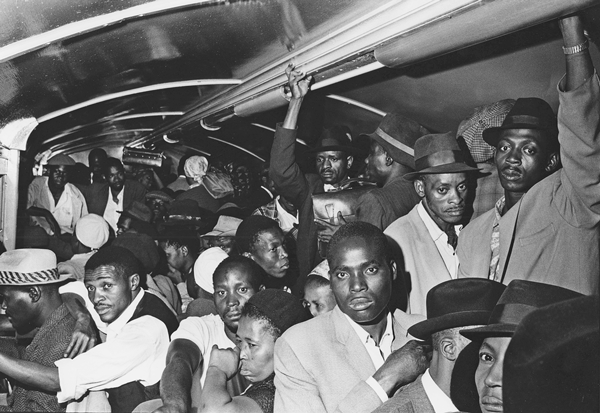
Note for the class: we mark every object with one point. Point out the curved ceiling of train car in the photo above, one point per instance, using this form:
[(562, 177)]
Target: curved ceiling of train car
[(172, 74)]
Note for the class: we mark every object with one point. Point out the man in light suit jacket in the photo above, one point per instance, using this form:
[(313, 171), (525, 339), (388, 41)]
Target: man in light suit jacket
[(428, 234), (350, 359), (120, 191), (451, 306), (545, 228)]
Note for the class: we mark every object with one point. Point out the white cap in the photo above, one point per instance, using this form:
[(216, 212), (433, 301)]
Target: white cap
[(205, 266)]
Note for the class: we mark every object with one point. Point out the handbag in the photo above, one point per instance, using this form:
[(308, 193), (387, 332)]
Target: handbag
[(327, 205)]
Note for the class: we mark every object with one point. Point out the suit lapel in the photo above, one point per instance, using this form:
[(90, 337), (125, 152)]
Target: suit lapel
[(425, 243), (354, 351), (508, 224)]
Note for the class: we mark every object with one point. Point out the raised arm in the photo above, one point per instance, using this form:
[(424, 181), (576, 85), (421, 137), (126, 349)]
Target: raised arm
[(285, 172), (579, 63), (183, 358)]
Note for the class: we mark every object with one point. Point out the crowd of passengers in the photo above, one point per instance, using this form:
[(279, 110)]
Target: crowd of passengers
[(465, 280)]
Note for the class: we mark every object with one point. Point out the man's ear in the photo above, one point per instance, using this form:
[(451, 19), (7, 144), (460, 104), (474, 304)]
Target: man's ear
[(262, 287), (553, 162), (420, 188), (350, 161), (35, 293), (449, 348), (184, 250), (134, 281), (248, 255), (394, 268)]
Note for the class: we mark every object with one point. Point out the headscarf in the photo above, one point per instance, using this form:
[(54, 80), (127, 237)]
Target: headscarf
[(195, 167)]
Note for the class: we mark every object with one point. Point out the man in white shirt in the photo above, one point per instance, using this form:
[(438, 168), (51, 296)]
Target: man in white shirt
[(130, 361), (451, 306), (54, 195), (350, 359), (428, 235)]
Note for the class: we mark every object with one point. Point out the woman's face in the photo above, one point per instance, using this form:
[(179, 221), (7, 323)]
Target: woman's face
[(256, 346)]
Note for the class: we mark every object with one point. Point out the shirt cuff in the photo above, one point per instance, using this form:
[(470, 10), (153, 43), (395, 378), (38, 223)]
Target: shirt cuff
[(67, 376), (377, 389)]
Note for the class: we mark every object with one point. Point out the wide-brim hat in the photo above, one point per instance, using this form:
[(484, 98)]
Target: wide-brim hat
[(159, 194), (226, 227), (527, 113), (61, 159), (438, 153), (138, 210), (187, 212), (552, 363), (397, 134), (458, 303), (463, 390), (30, 266), (337, 138), (520, 298)]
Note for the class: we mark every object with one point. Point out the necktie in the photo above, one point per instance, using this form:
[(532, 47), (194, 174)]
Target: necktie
[(452, 236)]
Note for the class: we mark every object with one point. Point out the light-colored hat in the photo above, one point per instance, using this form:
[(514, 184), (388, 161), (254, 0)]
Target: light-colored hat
[(61, 159), (226, 227), (92, 231), (205, 266), (29, 266)]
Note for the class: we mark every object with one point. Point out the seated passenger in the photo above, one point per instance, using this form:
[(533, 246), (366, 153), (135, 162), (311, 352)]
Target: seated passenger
[(53, 200), (195, 169), (428, 234), (350, 359), (129, 364), (236, 279), (545, 228), (318, 296), (115, 195), (223, 234), (261, 239), (158, 202), (451, 306), (266, 315), (29, 283), (519, 299), (136, 218)]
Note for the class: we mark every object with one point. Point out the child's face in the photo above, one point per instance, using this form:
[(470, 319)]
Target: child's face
[(319, 299)]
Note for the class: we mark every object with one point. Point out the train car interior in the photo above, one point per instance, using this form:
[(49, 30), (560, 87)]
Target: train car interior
[(153, 81)]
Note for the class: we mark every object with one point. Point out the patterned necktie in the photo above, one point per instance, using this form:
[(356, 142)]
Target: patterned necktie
[(452, 236)]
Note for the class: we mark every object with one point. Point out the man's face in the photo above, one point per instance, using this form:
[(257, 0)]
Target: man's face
[(158, 207), (123, 224), (19, 308), (96, 163), (488, 376), (444, 196), (115, 178), (269, 252), (361, 279), (521, 159), (109, 291), (58, 176), (232, 290), (333, 166), (319, 299), (376, 163), (175, 256), (225, 243), (257, 347)]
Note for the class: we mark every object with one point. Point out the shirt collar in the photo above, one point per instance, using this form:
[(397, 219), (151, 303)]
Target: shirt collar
[(362, 333), (116, 326), (430, 224), (439, 400)]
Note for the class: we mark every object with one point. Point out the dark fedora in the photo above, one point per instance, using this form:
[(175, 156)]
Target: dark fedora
[(527, 113), (520, 298), (337, 138), (458, 303), (397, 135), (552, 362), (139, 211), (186, 212), (438, 153)]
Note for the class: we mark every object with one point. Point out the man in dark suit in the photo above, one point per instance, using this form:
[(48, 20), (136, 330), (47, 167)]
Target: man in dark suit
[(109, 199), (451, 306)]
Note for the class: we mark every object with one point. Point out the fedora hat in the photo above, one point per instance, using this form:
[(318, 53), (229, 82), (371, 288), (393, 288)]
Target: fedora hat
[(458, 303), (226, 227), (159, 194), (527, 113), (139, 211), (397, 135), (30, 266), (60, 159), (187, 212), (438, 153), (336, 138), (463, 390), (552, 362), (520, 298)]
